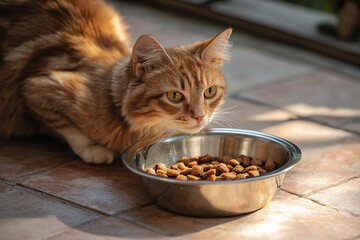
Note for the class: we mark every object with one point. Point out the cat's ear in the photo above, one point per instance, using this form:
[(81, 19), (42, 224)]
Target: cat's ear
[(216, 48), (147, 54)]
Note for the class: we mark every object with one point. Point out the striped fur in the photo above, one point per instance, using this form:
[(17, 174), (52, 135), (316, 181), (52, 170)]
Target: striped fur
[(66, 67)]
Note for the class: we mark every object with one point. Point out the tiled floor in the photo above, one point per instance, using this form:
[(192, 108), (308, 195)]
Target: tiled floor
[(46, 192)]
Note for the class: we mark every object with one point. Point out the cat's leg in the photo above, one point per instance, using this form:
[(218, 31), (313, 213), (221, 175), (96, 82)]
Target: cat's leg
[(84, 146), (48, 98)]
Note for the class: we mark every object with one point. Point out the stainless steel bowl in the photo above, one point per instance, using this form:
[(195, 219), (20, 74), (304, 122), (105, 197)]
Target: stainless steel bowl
[(219, 198)]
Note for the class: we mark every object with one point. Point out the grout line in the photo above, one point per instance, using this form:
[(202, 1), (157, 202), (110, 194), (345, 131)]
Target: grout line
[(328, 66), (146, 226), (357, 237), (328, 125), (101, 215), (60, 231), (46, 196), (296, 115), (21, 177), (307, 195), (7, 182), (74, 204), (283, 79), (332, 208), (57, 199), (244, 98), (133, 209)]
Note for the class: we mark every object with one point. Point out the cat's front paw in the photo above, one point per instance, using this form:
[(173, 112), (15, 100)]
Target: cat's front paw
[(96, 154)]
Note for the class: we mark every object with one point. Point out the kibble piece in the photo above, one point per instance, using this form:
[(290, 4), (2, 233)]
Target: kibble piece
[(241, 176), (249, 168), (174, 166), (226, 159), (160, 171), (211, 178), (269, 165), (207, 166), (238, 169), (151, 171), (160, 166), (192, 177), (223, 168), (205, 158), (262, 171), (215, 162), (229, 167), (239, 159), (253, 173), (181, 177), (197, 170), (246, 161), (185, 160), (162, 175), (228, 176), (256, 162), (206, 174), (186, 171), (234, 162), (172, 172), (181, 166), (218, 178), (192, 163)]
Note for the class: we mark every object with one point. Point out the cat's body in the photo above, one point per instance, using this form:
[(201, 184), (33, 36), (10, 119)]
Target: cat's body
[(66, 67)]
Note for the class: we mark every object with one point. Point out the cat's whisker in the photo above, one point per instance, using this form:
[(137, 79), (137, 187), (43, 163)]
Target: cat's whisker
[(221, 120), (230, 122), (224, 124), (227, 109)]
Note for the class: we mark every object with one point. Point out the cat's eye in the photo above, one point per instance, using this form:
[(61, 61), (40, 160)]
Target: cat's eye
[(175, 96), (210, 92)]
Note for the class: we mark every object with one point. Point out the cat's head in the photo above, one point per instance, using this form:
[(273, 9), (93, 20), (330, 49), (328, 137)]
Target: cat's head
[(176, 89)]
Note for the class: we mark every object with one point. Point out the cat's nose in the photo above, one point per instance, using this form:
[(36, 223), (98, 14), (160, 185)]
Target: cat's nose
[(198, 118)]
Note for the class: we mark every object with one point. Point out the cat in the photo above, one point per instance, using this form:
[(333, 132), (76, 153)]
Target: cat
[(67, 68)]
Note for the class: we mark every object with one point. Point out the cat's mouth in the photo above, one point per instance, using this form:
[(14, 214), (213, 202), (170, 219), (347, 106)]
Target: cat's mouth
[(186, 126), (193, 129)]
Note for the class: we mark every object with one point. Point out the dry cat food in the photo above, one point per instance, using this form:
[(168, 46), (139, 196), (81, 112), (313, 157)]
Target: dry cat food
[(213, 169)]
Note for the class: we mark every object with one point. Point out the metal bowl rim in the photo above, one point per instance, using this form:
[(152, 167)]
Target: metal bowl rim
[(294, 150)]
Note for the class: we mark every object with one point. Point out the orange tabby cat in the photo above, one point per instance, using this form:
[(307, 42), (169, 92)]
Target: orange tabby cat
[(66, 67)]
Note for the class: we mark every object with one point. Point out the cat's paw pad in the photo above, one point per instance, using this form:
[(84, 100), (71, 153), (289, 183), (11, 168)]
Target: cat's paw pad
[(97, 154)]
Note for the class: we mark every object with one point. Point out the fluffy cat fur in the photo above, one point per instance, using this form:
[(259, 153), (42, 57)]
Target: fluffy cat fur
[(66, 67)]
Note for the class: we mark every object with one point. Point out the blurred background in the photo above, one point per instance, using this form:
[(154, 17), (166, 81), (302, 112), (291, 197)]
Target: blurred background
[(328, 27)]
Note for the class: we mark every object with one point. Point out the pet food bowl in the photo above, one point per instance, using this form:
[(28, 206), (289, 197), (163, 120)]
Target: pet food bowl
[(214, 198)]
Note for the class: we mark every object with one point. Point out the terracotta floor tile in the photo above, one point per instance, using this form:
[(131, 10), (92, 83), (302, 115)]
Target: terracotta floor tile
[(237, 113), (328, 155), (108, 189), (242, 72), (173, 224), (353, 126), (27, 215), (323, 96), (344, 197), (108, 228), (19, 158), (286, 217)]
